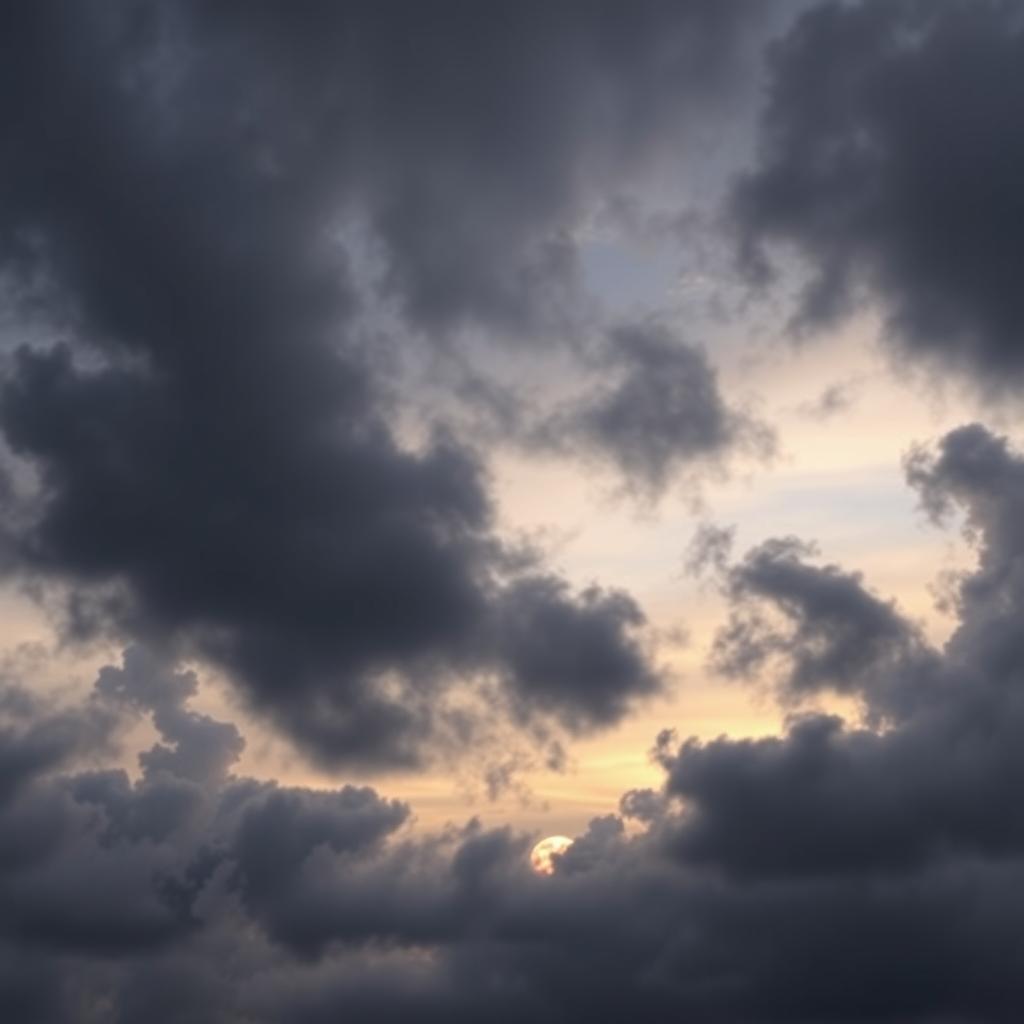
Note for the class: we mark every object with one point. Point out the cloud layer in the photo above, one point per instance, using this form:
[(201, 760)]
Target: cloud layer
[(224, 231), (890, 163), (204, 439), (839, 872)]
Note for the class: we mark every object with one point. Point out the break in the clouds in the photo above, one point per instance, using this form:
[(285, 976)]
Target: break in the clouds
[(835, 873), (890, 161)]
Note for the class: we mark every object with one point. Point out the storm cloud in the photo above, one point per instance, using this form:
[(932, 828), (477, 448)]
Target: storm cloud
[(226, 231), (931, 771), (839, 872), (825, 628), (657, 414), (208, 439), (890, 166)]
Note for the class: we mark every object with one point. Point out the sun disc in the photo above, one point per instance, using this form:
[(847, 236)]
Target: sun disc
[(543, 854)]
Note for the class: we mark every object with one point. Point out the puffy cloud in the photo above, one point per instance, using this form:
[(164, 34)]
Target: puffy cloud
[(657, 414), (34, 739), (210, 448), (838, 872), (979, 474), (579, 659), (931, 781), (213, 464), (828, 631), (891, 164), (471, 142)]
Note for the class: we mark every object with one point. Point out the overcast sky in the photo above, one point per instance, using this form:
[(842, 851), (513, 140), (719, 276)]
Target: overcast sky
[(427, 427)]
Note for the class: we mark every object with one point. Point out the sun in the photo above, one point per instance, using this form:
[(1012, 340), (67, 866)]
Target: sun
[(543, 854)]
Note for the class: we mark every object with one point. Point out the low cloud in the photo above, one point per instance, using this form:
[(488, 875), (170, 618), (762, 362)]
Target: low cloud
[(832, 873), (658, 415), (889, 163), (211, 452)]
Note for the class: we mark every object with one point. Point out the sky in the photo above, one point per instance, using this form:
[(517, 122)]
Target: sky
[(427, 428)]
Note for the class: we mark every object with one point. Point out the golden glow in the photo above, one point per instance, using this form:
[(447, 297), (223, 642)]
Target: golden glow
[(543, 854), (837, 480)]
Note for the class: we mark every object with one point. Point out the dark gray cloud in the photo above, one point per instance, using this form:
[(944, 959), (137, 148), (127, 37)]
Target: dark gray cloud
[(836, 873), (210, 444), (581, 659), (207, 459), (35, 738), (827, 630), (467, 144), (978, 474), (890, 162), (828, 797), (658, 412), (832, 874), (472, 141)]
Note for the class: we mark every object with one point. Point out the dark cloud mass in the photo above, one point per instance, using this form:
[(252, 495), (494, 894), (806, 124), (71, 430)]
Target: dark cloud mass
[(470, 138), (938, 780), (840, 872), (657, 412), (207, 213), (891, 162), (830, 632), (211, 447)]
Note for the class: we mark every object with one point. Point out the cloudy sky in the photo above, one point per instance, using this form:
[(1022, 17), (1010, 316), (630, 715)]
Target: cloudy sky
[(430, 427)]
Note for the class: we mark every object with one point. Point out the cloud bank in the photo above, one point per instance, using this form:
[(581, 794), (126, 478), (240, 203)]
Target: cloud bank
[(889, 163), (205, 441), (839, 872)]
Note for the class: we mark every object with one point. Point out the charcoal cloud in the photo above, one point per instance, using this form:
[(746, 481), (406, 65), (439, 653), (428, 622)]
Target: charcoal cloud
[(828, 631), (658, 414), (205, 456), (469, 142), (581, 659), (902, 789), (837, 872), (212, 446), (890, 163)]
